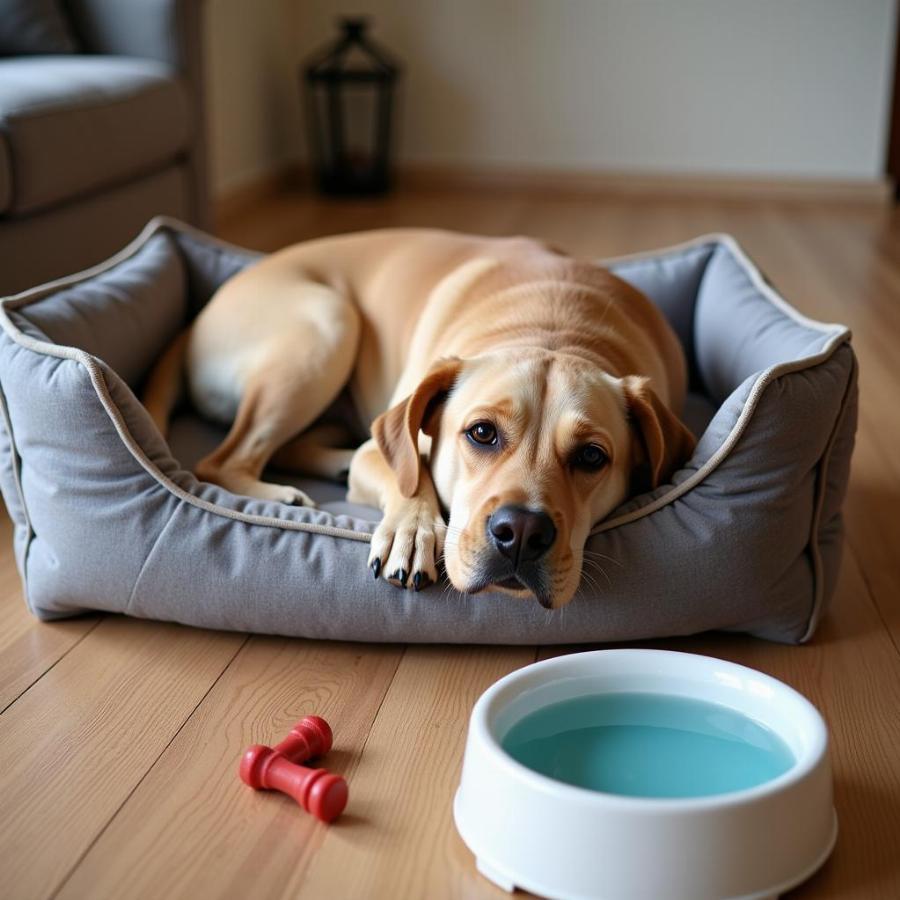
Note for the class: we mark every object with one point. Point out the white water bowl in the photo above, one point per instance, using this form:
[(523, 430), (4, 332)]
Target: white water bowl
[(530, 831)]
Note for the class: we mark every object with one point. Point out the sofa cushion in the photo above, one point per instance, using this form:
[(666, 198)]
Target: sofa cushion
[(73, 124), (30, 27)]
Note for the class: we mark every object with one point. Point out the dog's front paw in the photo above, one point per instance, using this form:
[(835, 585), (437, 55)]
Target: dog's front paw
[(407, 544)]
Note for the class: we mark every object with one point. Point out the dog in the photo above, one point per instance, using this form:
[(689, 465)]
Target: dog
[(516, 396)]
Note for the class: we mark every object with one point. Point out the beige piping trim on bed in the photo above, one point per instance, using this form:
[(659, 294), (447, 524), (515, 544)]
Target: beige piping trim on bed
[(840, 334), (755, 276), (815, 613), (724, 449), (158, 223), (115, 415)]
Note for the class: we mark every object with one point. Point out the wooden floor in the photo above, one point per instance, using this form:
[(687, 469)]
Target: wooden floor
[(119, 739)]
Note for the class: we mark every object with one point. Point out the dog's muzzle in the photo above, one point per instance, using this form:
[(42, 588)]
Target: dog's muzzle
[(518, 541), (521, 534)]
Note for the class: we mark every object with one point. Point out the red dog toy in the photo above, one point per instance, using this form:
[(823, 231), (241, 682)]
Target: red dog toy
[(318, 791)]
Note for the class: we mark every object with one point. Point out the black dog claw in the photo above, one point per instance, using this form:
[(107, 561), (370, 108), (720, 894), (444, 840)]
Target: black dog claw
[(400, 577), (376, 567), (421, 581)]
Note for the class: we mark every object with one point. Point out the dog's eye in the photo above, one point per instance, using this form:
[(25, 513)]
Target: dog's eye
[(590, 457), (483, 433)]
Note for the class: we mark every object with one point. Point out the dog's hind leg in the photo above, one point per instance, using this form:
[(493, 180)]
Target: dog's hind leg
[(318, 453), (301, 371)]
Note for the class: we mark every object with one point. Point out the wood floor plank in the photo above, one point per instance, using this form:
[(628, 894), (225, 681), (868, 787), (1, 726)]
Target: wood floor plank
[(192, 829), (401, 841), (77, 743), (28, 647), (284, 220)]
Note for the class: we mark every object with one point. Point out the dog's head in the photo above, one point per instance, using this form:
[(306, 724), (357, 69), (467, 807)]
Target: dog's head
[(530, 448)]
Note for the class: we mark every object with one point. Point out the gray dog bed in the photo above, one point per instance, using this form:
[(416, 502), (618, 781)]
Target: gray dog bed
[(107, 515)]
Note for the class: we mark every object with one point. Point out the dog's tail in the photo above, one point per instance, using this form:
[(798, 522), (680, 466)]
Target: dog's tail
[(164, 386)]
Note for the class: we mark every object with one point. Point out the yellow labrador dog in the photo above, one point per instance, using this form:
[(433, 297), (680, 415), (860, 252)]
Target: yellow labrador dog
[(515, 391)]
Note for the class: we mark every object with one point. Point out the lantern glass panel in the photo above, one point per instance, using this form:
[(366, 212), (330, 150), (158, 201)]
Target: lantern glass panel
[(349, 89), (360, 102)]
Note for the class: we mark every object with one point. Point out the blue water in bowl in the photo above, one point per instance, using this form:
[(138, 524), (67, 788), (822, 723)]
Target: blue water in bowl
[(648, 745)]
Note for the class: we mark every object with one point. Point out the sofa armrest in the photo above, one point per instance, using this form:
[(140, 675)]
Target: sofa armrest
[(165, 30)]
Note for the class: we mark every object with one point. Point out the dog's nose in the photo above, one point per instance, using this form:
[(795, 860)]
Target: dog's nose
[(520, 533)]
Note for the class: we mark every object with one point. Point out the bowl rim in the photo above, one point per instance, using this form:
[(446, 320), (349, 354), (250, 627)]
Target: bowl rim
[(480, 728)]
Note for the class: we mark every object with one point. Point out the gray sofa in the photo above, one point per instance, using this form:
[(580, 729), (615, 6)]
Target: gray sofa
[(101, 128)]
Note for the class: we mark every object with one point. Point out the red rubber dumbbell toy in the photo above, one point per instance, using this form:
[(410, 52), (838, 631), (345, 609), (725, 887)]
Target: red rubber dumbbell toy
[(318, 791), (309, 738)]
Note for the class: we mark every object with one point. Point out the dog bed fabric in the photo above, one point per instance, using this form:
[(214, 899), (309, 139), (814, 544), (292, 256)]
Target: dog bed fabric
[(107, 515)]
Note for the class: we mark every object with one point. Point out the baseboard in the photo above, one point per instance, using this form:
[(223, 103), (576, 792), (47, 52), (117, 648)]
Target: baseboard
[(422, 177), (237, 201), (599, 183)]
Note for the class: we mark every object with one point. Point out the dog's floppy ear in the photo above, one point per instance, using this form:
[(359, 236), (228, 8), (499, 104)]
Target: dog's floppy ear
[(664, 443), (396, 432)]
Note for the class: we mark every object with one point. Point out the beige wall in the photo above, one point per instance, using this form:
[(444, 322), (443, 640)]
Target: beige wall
[(254, 115), (768, 88)]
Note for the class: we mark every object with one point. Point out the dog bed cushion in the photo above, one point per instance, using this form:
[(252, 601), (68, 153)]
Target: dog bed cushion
[(107, 515)]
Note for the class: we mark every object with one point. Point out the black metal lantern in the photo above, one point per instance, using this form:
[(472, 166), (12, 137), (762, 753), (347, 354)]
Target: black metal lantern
[(350, 90)]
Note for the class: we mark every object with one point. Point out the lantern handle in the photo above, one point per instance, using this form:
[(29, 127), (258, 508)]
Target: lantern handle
[(354, 27)]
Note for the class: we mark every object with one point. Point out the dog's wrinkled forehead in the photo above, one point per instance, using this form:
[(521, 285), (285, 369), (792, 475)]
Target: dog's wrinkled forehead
[(537, 388)]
